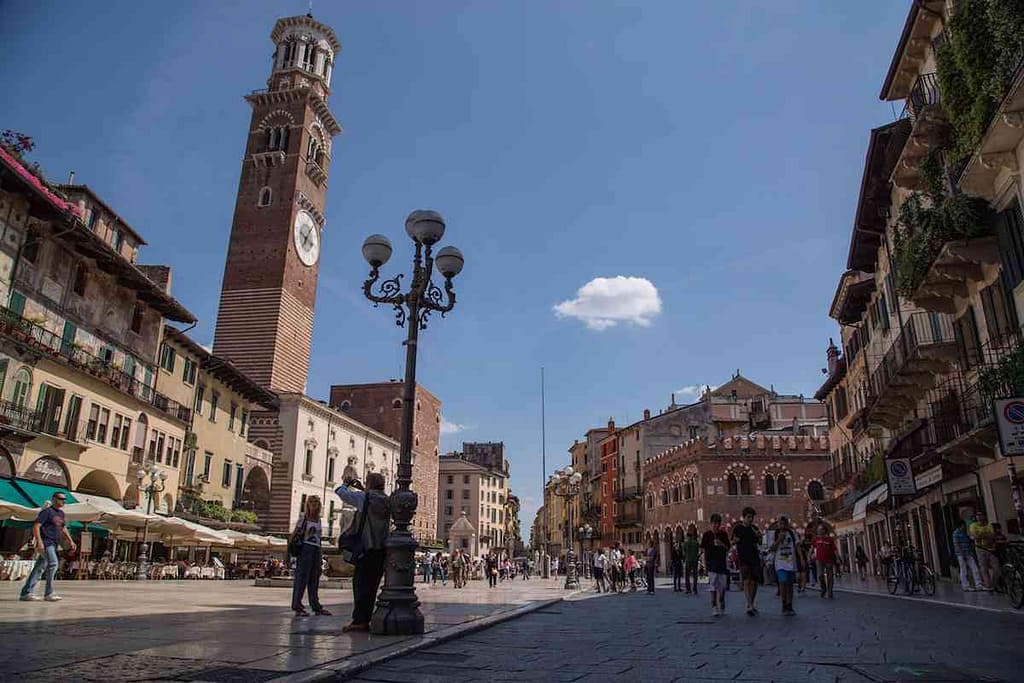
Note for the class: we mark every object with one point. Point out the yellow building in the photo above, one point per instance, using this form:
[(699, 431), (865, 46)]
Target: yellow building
[(219, 464)]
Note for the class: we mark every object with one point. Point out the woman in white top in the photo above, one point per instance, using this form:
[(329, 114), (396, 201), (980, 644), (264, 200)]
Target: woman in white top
[(308, 563)]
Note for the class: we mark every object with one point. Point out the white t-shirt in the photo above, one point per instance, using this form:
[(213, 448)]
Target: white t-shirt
[(600, 561), (785, 554)]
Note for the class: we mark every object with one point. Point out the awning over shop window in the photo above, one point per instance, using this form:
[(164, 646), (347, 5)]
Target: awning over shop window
[(40, 493), (10, 493), (875, 495)]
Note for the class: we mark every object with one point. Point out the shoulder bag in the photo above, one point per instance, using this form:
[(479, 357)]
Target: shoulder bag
[(351, 542), (295, 542)]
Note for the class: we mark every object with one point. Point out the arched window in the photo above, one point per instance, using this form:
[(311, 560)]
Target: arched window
[(688, 489), (313, 151), (815, 491), (664, 496), (265, 197), (397, 403), (780, 485), (769, 485), (732, 487), (744, 485), (675, 494), (22, 387)]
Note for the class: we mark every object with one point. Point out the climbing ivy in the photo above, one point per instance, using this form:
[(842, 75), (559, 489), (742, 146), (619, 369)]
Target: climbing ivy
[(982, 50)]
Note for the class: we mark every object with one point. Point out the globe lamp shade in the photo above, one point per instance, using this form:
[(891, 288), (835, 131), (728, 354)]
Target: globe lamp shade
[(426, 227), (449, 262), (377, 250)]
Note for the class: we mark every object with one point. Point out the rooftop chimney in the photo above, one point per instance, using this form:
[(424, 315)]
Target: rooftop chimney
[(832, 353), (611, 424), (71, 178), (647, 414)]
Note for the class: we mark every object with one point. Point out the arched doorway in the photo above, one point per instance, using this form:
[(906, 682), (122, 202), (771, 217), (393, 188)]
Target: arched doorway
[(130, 500), (256, 494), (100, 483), (48, 470)]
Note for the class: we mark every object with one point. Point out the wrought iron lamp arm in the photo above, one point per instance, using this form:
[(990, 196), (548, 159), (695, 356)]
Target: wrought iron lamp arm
[(390, 289)]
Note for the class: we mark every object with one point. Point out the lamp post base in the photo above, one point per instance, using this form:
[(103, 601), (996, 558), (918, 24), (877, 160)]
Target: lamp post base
[(571, 583), (142, 566), (398, 608)]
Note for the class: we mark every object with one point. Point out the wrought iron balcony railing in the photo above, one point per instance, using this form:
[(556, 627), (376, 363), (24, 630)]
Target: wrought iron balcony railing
[(925, 93), (37, 337), (922, 343)]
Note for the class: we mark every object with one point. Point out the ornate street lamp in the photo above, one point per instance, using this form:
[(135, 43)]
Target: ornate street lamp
[(398, 611), (566, 484), (586, 534), (157, 481)]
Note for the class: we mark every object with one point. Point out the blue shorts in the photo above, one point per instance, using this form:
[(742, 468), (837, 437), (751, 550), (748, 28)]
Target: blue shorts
[(785, 575)]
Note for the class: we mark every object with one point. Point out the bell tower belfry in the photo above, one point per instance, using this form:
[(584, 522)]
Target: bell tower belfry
[(265, 319)]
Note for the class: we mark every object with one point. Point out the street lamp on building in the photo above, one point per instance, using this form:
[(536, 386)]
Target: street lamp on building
[(566, 484), (398, 610), (156, 485)]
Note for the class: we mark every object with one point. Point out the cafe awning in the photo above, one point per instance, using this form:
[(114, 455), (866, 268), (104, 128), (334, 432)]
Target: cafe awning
[(875, 495)]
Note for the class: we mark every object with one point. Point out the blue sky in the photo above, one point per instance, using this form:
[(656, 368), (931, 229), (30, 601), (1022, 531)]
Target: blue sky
[(707, 153)]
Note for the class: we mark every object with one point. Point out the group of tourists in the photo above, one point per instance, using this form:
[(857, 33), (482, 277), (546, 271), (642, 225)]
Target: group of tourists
[(461, 567), (979, 547), (781, 555)]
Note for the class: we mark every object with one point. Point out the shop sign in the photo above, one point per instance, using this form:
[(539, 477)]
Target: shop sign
[(901, 477), (47, 470), (929, 477), (1009, 414)]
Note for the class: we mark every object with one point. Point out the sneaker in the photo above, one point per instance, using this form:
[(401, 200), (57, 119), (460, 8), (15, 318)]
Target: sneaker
[(30, 598), (750, 612), (969, 589), (715, 612), (52, 598)]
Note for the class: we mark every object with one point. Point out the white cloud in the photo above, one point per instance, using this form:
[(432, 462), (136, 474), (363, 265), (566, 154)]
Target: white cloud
[(694, 390), (451, 427), (605, 302)]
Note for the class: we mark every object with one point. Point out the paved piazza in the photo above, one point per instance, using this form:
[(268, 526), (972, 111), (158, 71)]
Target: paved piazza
[(215, 630), (233, 631), (673, 637)]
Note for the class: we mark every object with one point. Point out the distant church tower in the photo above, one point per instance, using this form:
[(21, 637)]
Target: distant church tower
[(265, 321)]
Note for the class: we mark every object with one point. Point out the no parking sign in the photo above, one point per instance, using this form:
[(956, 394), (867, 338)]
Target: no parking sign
[(901, 477), (1009, 413)]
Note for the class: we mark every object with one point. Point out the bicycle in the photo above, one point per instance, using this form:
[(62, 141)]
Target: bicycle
[(1011, 574)]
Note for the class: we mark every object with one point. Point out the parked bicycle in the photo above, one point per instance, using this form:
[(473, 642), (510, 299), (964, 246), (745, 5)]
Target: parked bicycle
[(1011, 575), (908, 569)]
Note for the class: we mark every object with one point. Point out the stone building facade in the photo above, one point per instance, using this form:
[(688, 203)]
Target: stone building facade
[(315, 448), (480, 494), (80, 326), (776, 475), (379, 405)]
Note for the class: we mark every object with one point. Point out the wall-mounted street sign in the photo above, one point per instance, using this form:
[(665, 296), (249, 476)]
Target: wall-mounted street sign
[(1009, 414), (901, 477)]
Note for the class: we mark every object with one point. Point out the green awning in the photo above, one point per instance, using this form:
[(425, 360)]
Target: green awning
[(40, 493), (10, 493), (36, 495)]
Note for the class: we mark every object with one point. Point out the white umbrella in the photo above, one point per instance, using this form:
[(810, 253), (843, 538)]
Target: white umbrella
[(244, 540), (9, 510)]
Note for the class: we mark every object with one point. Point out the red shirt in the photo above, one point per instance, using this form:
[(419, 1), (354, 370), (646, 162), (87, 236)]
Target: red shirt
[(824, 549)]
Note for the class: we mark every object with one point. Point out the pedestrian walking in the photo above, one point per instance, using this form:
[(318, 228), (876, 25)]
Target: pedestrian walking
[(650, 565), (964, 552), (600, 563), (984, 537), (459, 567), (691, 555), (862, 562), (676, 560), (715, 544), (308, 562), (491, 568), (629, 568), (47, 531), (825, 556), (369, 568), (786, 556), (747, 538)]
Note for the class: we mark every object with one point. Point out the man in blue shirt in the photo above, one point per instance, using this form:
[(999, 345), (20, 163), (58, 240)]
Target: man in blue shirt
[(47, 532)]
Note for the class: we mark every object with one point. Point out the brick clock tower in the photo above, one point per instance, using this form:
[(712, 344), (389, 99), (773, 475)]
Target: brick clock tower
[(265, 321)]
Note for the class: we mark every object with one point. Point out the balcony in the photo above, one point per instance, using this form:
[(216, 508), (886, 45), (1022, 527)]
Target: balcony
[(23, 424), (925, 348), (317, 174), (628, 493), (34, 339), (960, 423), (923, 107), (957, 265), (629, 517)]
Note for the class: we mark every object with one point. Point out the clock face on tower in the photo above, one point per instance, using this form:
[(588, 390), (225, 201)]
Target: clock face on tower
[(307, 238)]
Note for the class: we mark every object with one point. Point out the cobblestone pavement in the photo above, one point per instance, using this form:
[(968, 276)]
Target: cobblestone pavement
[(214, 630), (673, 637)]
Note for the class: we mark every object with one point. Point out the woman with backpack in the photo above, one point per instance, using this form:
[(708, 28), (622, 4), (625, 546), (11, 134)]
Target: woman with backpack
[(305, 546)]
